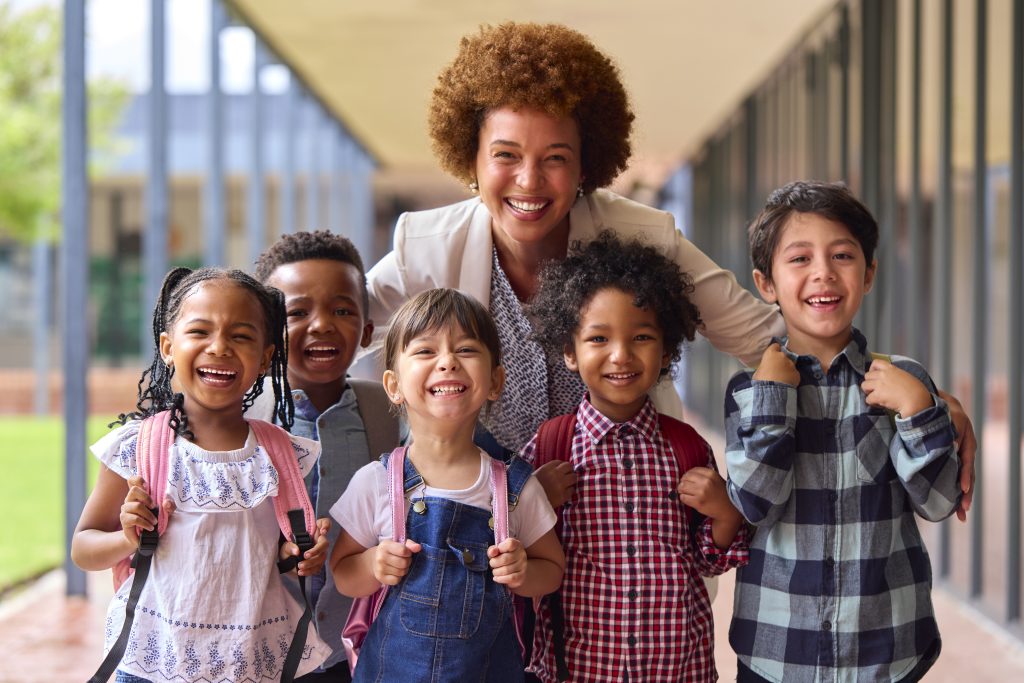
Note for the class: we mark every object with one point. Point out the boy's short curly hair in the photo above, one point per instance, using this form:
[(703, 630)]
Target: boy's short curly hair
[(833, 201), (549, 67), (655, 281), (308, 246)]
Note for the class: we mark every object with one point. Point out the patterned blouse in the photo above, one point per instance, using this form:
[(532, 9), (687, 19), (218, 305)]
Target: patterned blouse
[(536, 388)]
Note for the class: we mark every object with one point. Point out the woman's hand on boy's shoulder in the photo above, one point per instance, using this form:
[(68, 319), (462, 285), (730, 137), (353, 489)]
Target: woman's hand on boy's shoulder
[(776, 366), (887, 386)]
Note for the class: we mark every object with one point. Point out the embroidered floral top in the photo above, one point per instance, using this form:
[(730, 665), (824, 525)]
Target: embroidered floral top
[(214, 607)]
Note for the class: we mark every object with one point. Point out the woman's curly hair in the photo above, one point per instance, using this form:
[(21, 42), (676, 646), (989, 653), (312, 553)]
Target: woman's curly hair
[(655, 281), (549, 67)]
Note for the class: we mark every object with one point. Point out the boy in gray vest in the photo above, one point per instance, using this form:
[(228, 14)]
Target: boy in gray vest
[(324, 284)]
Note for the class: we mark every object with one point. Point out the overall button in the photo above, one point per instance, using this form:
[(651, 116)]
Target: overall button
[(419, 507), (467, 557)]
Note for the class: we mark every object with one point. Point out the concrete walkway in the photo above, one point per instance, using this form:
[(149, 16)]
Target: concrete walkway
[(48, 637)]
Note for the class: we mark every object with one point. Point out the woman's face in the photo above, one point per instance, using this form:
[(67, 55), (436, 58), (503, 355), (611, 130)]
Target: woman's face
[(528, 170)]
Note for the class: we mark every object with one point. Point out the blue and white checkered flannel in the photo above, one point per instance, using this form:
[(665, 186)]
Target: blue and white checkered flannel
[(838, 584)]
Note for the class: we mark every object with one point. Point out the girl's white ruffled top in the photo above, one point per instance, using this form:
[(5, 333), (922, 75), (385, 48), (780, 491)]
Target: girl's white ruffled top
[(214, 607)]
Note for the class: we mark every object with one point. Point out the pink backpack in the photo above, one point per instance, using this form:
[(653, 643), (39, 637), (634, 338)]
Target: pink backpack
[(365, 610), (292, 507)]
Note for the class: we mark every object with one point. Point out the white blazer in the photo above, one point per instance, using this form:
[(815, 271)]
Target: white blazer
[(451, 247)]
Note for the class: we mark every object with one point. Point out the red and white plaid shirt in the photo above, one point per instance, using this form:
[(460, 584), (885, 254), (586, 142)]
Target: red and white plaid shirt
[(633, 598)]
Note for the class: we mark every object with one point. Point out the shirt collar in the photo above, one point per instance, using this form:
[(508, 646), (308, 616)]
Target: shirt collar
[(855, 353), (305, 409), (597, 425)]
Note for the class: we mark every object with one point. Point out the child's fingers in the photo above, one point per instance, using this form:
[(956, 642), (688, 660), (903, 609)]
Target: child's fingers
[(323, 526), (412, 545), (288, 549), (169, 505)]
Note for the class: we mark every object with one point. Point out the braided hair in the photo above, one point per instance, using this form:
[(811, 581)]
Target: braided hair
[(155, 393)]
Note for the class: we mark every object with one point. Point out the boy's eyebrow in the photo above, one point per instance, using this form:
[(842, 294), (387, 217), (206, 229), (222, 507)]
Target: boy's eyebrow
[(841, 240)]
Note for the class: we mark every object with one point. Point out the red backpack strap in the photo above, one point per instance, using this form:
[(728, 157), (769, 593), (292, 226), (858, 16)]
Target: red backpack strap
[(554, 440), (291, 488), (689, 447)]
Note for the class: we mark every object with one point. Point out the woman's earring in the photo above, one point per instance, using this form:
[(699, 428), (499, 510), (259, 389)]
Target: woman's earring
[(579, 191), (474, 187)]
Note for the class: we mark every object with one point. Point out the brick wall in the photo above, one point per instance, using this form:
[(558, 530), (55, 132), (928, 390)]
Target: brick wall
[(111, 391)]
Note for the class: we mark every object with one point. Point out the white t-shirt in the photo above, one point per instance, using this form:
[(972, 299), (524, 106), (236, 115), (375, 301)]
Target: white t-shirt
[(364, 510), (213, 607)]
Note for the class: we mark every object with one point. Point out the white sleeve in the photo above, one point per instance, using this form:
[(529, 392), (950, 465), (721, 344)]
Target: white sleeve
[(306, 452), (116, 450), (363, 510), (386, 287), (533, 516), (734, 320)]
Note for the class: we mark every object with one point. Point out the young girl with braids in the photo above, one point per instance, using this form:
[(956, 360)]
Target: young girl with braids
[(213, 606)]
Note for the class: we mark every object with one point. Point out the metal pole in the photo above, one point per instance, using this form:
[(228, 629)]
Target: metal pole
[(291, 97), (942, 282), (42, 290), (914, 294), (981, 268), (1016, 328), (256, 233), (75, 284), (313, 173), (215, 253), (155, 238)]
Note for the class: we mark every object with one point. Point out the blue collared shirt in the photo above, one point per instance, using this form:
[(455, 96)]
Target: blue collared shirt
[(838, 584)]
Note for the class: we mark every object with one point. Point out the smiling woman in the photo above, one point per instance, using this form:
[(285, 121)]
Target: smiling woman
[(535, 119)]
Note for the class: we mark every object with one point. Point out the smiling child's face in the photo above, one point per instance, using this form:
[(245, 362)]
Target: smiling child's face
[(819, 278), (619, 352), (326, 324)]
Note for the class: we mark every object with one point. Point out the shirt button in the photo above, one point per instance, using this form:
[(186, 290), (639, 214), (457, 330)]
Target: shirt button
[(627, 463), (631, 641), (323, 471), (321, 616), (631, 550), (826, 625), (629, 507), (632, 594), (817, 374)]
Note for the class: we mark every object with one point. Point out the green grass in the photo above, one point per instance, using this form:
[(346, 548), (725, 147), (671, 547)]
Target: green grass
[(32, 493)]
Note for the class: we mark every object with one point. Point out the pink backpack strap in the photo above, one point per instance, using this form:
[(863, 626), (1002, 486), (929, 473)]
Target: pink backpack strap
[(396, 493), (291, 488), (499, 500), (152, 446)]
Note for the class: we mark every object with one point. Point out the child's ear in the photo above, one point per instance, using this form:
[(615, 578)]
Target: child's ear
[(765, 286), (367, 337), (166, 350), (268, 353), (390, 381), (869, 276), (569, 356), (497, 383)]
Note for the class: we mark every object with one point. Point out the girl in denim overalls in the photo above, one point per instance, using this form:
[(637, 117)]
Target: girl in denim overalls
[(449, 615)]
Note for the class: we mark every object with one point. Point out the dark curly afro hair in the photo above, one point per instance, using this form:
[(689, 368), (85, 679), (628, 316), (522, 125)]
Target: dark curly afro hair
[(307, 246), (655, 281), (549, 67)]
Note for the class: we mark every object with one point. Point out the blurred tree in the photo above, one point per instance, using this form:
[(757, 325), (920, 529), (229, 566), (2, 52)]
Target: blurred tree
[(30, 120)]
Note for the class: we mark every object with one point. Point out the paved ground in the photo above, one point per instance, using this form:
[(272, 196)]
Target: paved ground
[(47, 637)]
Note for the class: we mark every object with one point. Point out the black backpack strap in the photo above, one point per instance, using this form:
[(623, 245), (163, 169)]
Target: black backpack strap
[(297, 521), (141, 562)]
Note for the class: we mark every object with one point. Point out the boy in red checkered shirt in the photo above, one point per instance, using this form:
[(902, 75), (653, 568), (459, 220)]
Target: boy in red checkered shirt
[(635, 606)]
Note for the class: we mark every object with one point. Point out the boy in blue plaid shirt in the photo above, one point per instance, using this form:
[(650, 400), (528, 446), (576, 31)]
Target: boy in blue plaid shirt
[(830, 455)]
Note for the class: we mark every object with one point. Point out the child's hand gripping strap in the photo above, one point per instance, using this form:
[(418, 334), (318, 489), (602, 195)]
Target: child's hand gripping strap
[(297, 521), (152, 445), (365, 610)]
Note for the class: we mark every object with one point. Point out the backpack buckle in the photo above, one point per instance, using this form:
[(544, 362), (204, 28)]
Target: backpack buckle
[(147, 543)]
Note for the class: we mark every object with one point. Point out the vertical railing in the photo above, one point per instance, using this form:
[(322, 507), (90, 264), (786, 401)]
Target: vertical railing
[(215, 234), (155, 238), (75, 281)]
